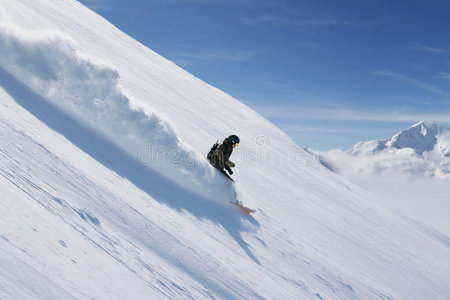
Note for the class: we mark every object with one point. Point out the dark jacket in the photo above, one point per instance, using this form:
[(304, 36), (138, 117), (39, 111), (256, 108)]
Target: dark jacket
[(221, 156)]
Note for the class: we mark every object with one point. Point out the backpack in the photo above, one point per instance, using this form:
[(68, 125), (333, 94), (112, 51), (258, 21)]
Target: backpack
[(211, 152)]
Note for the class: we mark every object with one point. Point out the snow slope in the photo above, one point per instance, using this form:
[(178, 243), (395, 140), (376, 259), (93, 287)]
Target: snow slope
[(104, 191)]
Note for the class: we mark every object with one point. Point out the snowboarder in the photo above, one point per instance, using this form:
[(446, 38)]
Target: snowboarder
[(219, 155)]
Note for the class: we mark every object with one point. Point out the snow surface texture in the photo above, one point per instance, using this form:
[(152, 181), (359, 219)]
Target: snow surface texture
[(89, 92), (409, 171), (86, 213)]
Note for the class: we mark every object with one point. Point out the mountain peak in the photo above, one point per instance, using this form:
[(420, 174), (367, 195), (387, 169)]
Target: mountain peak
[(426, 127), (421, 137)]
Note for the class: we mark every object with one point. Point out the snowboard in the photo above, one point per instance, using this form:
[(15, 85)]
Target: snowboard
[(244, 209)]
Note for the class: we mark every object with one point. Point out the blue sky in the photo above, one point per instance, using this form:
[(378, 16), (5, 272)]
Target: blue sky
[(328, 72)]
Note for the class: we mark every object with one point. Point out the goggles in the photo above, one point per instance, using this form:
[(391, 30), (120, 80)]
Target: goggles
[(235, 145)]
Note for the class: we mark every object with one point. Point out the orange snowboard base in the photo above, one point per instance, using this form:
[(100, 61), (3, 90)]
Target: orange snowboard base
[(244, 209)]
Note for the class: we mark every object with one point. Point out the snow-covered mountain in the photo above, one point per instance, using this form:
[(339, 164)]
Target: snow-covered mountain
[(105, 192), (421, 150), (409, 171)]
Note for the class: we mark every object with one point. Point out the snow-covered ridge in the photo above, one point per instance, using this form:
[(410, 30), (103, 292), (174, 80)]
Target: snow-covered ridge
[(409, 171), (420, 150), (420, 137), (52, 66)]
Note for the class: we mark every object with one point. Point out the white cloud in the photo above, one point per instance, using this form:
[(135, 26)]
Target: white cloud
[(348, 114), (294, 128), (415, 82), (234, 3), (422, 199), (294, 22), (431, 49), (443, 75)]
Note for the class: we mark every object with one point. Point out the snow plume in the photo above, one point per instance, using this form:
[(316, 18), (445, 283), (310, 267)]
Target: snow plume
[(88, 90)]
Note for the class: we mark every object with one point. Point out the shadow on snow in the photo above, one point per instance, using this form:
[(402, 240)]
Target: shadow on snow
[(154, 184)]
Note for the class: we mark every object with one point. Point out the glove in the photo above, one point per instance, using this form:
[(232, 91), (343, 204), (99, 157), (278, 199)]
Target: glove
[(230, 172), (231, 164)]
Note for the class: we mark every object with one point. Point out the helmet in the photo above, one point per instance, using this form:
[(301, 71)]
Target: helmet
[(233, 139)]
